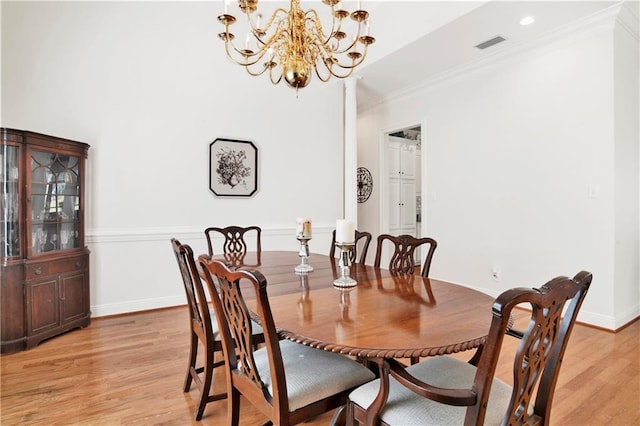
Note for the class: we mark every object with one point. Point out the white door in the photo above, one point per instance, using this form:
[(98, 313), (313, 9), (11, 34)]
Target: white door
[(408, 206), (395, 203)]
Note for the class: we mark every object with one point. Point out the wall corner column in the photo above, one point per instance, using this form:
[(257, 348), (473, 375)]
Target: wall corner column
[(350, 150)]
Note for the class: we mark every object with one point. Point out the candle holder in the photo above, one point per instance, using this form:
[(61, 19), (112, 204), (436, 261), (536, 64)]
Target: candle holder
[(304, 302), (345, 266), (304, 266)]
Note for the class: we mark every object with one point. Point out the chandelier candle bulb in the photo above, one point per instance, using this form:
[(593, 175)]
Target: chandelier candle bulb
[(345, 231), (303, 227)]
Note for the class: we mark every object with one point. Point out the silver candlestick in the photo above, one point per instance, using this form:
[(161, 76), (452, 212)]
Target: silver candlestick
[(345, 266), (304, 255)]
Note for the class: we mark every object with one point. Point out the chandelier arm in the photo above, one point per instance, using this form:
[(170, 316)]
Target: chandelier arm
[(353, 65), (256, 73), (273, 17), (331, 72), (276, 81), (317, 24), (352, 45), (355, 62), (273, 40), (326, 57), (327, 38), (256, 31), (331, 57), (245, 62)]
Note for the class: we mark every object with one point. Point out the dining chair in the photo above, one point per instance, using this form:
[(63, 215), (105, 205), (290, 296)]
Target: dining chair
[(286, 381), (204, 330), (403, 258), (234, 238), (362, 239), (447, 390)]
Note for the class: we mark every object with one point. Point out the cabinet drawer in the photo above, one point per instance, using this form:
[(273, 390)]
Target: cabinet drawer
[(55, 267)]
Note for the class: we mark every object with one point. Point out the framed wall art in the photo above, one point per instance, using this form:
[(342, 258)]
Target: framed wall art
[(365, 184), (233, 168)]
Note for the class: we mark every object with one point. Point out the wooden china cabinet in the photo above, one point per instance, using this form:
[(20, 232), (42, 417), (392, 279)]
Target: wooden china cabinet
[(44, 285)]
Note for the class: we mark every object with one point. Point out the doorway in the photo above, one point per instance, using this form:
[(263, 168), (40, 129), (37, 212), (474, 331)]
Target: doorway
[(402, 162)]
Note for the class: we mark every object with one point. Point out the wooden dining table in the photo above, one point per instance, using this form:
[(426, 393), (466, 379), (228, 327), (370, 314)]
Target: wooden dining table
[(383, 316)]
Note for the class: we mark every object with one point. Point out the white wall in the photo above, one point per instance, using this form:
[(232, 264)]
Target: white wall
[(627, 169), (511, 151), (147, 85)]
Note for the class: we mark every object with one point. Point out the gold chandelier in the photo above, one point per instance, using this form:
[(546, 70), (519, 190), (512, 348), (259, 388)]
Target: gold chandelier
[(293, 43)]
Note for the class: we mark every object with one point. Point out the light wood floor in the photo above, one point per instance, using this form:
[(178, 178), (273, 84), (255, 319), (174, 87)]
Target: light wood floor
[(129, 370)]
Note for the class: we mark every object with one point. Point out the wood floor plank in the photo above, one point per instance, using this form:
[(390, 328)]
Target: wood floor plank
[(129, 370)]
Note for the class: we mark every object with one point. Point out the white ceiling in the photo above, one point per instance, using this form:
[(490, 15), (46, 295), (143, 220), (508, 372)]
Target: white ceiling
[(439, 36)]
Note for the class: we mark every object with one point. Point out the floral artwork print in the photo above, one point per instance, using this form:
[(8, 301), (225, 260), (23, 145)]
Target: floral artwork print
[(231, 169)]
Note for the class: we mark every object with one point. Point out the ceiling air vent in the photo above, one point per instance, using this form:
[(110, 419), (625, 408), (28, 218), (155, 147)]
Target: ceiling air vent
[(489, 43)]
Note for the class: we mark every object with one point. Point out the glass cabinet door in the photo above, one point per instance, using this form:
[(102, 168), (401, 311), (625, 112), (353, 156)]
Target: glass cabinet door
[(9, 201), (55, 201)]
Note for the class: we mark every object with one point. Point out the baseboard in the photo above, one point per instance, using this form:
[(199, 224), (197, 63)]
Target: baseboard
[(136, 306), (626, 317)]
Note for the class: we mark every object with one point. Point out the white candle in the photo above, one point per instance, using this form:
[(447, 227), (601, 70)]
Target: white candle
[(345, 231), (303, 227), (226, 6)]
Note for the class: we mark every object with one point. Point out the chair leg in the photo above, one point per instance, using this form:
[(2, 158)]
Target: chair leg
[(206, 383), (193, 354), (233, 407), (350, 419), (339, 417)]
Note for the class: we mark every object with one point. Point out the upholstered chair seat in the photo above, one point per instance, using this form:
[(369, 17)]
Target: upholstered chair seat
[(312, 374), (406, 408)]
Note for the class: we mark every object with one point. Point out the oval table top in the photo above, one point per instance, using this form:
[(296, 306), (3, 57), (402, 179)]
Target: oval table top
[(383, 316)]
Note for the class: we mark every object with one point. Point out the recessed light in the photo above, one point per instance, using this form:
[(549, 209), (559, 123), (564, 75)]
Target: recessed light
[(527, 20)]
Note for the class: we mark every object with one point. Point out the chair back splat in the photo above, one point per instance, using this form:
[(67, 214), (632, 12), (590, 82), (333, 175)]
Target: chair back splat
[(362, 241), (403, 259), (287, 381), (437, 390), (234, 238)]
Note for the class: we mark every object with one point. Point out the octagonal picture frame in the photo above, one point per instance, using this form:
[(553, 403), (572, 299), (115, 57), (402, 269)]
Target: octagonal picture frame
[(233, 168)]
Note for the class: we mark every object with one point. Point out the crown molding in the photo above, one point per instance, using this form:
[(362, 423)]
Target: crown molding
[(629, 20)]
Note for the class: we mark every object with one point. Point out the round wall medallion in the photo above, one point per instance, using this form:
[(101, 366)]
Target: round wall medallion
[(365, 184)]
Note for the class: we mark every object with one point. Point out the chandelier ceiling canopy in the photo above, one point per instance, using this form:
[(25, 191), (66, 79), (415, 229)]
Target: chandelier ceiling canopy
[(294, 44)]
